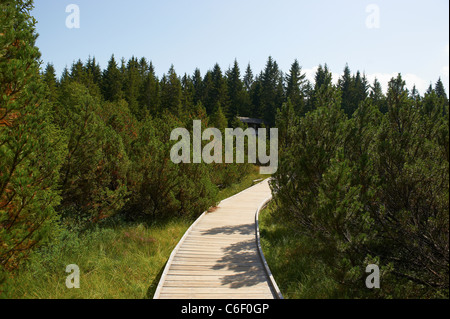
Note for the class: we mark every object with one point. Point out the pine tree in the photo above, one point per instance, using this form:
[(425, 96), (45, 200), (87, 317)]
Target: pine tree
[(93, 71), (50, 79), (442, 96), (220, 91), (257, 110), (323, 91), (377, 97), (219, 120), (93, 174), (215, 91), (248, 78), (323, 78), (112, 82), (78, 72), (171, 92), (346, 84), (143, 68), (271, 91), (287, 121), (149, 97), (236, 92), (295, 82), (197, 81), (31, 150), (440, 90), (188, 91), (131, 86), (361, 91)]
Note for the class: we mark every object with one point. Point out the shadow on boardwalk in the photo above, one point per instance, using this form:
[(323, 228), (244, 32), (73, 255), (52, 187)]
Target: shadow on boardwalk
[(242, 258)]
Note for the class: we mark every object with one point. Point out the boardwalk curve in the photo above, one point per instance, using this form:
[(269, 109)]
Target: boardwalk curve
[(220, 256)]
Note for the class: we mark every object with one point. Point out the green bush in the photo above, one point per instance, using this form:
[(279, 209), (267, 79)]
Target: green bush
[(93, 176), (372, 189)]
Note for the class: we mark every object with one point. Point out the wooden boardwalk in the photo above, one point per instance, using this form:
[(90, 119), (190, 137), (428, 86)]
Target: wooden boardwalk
[(219, 257)]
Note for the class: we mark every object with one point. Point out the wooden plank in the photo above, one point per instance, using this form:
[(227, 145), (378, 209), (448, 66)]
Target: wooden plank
[(209, 278), (215, 290), (214, 261), (218, 257), (205, 284)]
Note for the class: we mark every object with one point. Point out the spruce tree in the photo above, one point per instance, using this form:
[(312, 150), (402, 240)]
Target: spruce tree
[(236, 91), (197, 81), (112, 82), (440, 90), (323, 91), (93, 71), (295, 82), (171, 92), (149, 98), (131, 86), (271, 92), (50, 79), (377, 97), (248, 78), (188, 91), (346, 84)]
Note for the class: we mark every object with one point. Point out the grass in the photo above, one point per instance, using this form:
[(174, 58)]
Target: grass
[(294, 263), (119, 260), (299, 267)]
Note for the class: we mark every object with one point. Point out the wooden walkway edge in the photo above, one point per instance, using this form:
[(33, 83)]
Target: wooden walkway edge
[(220, 255)]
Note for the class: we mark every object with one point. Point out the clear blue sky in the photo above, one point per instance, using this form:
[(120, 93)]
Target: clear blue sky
[(412, 37)]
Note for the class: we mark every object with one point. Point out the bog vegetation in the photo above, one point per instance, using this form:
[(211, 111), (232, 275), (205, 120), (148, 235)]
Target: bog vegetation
[(363, 175)]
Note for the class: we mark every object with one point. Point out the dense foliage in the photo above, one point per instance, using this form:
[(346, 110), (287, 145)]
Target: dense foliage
[(31, 150), (368, 180)]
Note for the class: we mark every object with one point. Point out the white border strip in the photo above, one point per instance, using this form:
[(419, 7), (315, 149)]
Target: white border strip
[(186, 234), (273, 283)]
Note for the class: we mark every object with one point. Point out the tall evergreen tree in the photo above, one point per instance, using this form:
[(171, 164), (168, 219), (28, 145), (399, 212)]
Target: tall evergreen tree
[(112, 82), (197, 81), (295, 82), (346, 84), (132, 84), (220, 90), (248, 78), (94, 71), (149, 98), (236, 92), (361, 91), (323, 91), (442, 96), (440, 90), (31, 151), (188, 91), (271, 95), (377, 97), (256, 97), (215, 91), (171, 92), (51, 81)]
